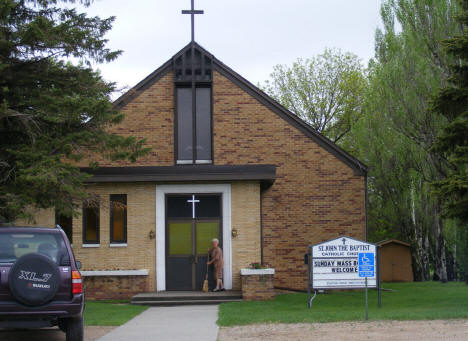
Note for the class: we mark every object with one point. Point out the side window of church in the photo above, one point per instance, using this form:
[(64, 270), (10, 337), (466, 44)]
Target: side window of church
[(90, 223), (118, 218), (66, 223), (194, 133)]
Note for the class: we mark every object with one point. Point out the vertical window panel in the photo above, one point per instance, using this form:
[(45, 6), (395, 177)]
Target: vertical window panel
[(66, 223), (118, 218), (203, 123), (184, 124), (90, 224)]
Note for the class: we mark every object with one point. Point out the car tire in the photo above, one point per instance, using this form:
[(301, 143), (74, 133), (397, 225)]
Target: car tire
[(75, 329)]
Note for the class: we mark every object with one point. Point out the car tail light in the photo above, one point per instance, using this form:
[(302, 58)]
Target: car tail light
[(77, 283)]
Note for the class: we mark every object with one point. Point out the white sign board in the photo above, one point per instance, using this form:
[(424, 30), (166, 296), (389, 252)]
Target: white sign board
[(344, 263)]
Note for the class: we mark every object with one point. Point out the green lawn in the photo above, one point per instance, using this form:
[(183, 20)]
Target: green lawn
[(110, 313), (409, 301)]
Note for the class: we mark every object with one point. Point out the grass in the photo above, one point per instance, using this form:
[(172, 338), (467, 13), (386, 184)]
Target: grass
[(110, 313), (408, 301)]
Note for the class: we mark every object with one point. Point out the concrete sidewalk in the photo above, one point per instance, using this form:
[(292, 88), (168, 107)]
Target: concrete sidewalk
[(181, 323)]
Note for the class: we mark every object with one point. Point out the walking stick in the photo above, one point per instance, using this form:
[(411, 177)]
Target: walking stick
[(205, 282)]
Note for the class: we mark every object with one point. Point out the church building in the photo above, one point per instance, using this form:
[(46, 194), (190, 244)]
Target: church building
[(227, 162)]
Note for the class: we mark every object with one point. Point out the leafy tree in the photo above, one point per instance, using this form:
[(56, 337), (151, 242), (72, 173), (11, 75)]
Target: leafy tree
[(326, 91), (398, 128), (53, 111)]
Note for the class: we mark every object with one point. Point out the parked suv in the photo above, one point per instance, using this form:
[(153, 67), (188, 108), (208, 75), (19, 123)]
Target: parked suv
[(40, 285)]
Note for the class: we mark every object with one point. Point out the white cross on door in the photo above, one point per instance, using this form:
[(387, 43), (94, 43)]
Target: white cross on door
[(193, 202)]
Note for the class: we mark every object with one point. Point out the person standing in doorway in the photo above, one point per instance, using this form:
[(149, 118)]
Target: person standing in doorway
[(216, 258)]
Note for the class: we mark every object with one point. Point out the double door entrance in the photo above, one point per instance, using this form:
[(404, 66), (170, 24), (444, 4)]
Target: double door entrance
[(192, 221)]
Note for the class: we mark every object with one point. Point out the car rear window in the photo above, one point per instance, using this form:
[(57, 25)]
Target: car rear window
[(14, 245)]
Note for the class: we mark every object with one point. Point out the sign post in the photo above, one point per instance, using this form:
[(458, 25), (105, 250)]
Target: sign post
[(366, 270), (342, 263), (367, 303)]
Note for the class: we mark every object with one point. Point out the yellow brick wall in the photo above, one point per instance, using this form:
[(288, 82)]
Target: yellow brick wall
[(44, 218), (245, 207), (141, 217), (150, 116), (315, 197), (140, 250)]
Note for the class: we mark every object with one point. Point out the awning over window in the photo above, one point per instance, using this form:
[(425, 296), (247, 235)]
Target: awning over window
[(266, 174)]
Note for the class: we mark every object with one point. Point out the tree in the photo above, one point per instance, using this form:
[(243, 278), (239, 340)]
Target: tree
[(398, 127), (53, 111), (452, 142), (326, 91)]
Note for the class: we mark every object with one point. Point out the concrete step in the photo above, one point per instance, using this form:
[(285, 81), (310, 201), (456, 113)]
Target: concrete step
[(183, 302), (186, 297)]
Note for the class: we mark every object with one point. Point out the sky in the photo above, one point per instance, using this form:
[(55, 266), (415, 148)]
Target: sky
[(250, 36)]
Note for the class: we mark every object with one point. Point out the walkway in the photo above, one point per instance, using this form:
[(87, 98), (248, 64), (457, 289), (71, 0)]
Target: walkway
[(181, 323)]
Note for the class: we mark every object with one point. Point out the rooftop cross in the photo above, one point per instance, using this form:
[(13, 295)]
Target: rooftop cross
[(192, 13)]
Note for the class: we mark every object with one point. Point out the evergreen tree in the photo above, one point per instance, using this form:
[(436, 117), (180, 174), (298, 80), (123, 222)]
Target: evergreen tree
[(54, 107), (452, 143)]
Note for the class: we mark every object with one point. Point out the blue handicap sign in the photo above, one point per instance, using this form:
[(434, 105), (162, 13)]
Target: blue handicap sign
[(366, 264)]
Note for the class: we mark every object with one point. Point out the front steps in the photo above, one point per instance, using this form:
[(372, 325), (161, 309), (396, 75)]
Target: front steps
[(175, 298)]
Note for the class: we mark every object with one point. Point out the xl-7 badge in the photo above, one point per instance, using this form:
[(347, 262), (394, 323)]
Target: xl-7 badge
[(32, 276)]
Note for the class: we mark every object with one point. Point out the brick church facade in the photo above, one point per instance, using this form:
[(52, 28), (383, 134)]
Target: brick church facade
[(228, 162)]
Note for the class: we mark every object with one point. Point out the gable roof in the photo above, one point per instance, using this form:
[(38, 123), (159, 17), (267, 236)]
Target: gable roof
[(358, 167), (392, 241)]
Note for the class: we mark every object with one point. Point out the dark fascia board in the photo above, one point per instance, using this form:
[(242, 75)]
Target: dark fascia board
[(358, 167), (266, 174)]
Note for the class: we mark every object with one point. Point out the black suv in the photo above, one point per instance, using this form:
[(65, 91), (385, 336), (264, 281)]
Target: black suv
[(40, 285)]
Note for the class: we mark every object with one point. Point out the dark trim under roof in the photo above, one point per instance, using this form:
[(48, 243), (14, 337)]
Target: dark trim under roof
[(266, 174), (358, 167)]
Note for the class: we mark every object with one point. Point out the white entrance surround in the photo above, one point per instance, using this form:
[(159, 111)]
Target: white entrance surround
[(161, 191)]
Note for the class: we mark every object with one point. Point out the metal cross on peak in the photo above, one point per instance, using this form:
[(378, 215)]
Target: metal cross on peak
[(192, 13)]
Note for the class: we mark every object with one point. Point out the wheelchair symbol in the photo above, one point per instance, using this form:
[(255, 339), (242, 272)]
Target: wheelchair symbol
[(365, 260)]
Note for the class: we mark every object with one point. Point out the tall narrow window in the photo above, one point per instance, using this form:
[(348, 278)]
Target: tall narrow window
[(90, 223), (184, 126), (118, 218), (187, 116), (66, 223), (203, 123)]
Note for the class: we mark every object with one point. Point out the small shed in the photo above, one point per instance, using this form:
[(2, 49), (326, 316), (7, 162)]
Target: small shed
[(395, 261)]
